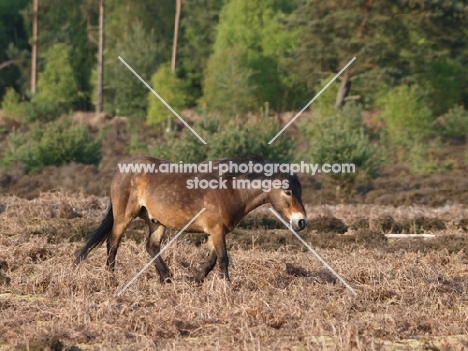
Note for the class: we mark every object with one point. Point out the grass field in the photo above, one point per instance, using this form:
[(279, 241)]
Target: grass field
[(412, 293)]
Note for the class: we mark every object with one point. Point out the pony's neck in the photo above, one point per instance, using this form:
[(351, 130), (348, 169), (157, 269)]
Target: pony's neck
[(253, 199)]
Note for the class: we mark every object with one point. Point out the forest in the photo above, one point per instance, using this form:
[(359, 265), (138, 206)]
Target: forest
[(241, 69)]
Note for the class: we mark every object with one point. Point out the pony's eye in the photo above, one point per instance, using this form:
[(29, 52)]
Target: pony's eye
[(288, 192)]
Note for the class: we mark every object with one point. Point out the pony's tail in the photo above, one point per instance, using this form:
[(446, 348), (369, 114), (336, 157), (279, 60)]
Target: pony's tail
[(98, 236)]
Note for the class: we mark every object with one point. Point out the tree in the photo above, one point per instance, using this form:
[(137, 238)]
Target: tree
[(56, 85), (255, 27), (62, 22), (169, 87), (34, 47), (13, 45), (437, 55), (198, 33), (333, 32), (176, 34), (445, 83), (100, 57), (125, 95), (227, 82), (155, 17)]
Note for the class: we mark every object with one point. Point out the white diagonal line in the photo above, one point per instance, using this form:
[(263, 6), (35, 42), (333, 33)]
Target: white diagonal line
[(314, 252), (160, 252), (160, 98), (311, 101)]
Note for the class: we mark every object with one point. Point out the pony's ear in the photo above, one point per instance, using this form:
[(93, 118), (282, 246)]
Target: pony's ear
[(282, 175), (294, 181)]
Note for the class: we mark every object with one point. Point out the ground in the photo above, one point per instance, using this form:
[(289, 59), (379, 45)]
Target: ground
[(411, 293)]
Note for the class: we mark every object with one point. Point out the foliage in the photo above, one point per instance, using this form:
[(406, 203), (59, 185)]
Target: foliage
[(66, 22), (226, 139), (55, 143), (240, 139), (342, 139), (188, 148), (227, 82), (125, 94), (324, 105), (289, 43), (333, 32), (155, 17), (422, 157), (198, 22), (444, 80), (254, 29), (12, 34), (454, 124), (170, 88), (56, 86), (406, 114), (11, 105)]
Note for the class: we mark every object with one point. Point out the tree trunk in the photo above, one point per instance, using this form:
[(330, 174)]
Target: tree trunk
[(100, 72), (343, 91), (34, 48), (176, 34)]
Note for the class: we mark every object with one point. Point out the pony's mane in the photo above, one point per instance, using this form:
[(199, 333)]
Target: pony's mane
[(294, 181)]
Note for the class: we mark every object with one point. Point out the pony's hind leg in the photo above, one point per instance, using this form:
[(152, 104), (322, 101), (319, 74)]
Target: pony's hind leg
[(153, 245), (113, 241), (123, 213)]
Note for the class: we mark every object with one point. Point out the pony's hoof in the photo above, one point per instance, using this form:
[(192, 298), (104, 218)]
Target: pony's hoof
[(165, 280), (196, 280)]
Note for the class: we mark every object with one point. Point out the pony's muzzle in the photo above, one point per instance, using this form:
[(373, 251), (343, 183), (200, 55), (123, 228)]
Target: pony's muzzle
[(298, 223)]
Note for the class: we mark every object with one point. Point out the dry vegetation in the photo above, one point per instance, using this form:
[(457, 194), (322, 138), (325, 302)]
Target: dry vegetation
[(412, 294)]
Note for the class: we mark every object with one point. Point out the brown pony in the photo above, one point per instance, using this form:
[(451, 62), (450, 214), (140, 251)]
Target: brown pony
[(165, 200)]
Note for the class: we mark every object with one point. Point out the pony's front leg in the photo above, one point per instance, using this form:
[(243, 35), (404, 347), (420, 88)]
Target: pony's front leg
[(153, 245), (217, 245)]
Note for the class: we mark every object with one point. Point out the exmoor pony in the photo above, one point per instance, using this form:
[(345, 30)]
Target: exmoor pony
[(173, 199)]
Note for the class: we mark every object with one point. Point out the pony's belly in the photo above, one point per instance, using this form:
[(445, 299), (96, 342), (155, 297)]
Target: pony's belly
[(176, 217)]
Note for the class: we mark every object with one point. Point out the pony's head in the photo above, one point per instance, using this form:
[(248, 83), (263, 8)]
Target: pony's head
[(287, 201)]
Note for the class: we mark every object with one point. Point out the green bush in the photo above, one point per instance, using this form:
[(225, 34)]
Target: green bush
[(56, 86), (226, 139), (36, 110), (240, 139), (187, 148), (406, 114), (454, 124), (342, 139), (55, 143), (422, 157), (11, 104), (171, 89)]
